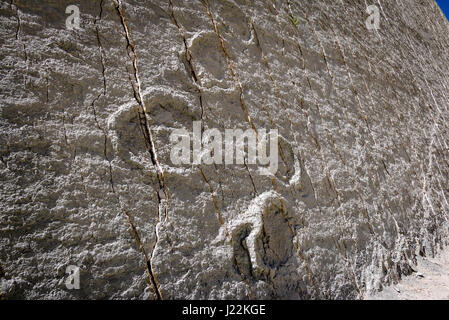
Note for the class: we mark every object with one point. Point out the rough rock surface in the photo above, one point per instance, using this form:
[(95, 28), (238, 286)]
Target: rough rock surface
[(86, 177)]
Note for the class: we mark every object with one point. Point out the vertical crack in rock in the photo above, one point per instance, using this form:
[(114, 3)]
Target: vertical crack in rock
[(18, 31), (237, 79), (144, 116), (310, 126), (103, 93), (250, 176), (188, 58), (149, 141), (223, 224), (312, 132), (270, 76), (100, 46), (219, 216), (149, 268), (47, 87), (64, 129), (230, 64)]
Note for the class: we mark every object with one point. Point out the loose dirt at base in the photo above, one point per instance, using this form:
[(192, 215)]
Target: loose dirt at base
[(429, 282)]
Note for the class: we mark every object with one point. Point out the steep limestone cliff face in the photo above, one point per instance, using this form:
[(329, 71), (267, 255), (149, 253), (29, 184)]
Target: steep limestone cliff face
[(86, 177)]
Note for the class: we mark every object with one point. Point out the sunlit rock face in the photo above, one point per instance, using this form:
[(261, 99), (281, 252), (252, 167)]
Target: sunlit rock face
[(86, 174)]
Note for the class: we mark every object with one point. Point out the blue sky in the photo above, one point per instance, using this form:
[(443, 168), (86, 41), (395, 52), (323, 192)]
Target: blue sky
[(444, 5)]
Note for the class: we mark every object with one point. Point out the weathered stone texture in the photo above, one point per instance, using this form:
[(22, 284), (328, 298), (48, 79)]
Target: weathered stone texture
[(86, 177)]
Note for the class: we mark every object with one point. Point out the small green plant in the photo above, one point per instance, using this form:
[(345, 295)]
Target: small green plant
[(295, 21)]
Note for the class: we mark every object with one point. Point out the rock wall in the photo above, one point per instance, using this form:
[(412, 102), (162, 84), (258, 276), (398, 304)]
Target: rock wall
[(86, 177)]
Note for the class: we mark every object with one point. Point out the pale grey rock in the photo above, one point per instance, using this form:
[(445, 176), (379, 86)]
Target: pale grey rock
[(361, 190)]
